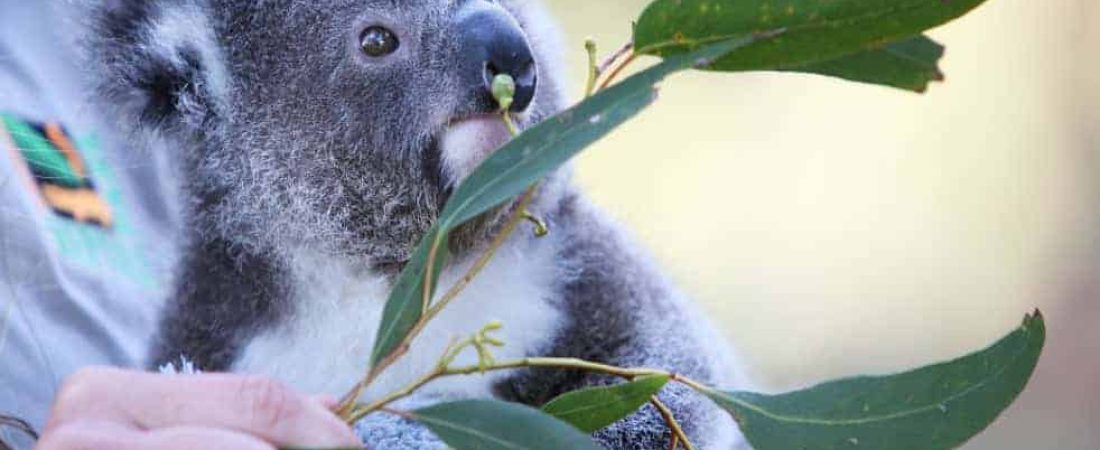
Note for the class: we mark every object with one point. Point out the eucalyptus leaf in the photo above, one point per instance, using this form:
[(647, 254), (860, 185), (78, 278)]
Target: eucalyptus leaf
[(592, 409), (813, 31), (516, 166), (936, 407), (908, 64), (406, 302), (497, 425), (545, 147)]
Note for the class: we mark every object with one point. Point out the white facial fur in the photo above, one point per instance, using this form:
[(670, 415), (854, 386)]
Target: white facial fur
[(468, 142), (326, 346)]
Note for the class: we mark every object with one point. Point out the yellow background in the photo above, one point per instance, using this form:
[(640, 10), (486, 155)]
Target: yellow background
[(834, 229)]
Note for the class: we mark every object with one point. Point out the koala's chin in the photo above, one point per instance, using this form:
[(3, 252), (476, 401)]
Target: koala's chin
[(467, 142)]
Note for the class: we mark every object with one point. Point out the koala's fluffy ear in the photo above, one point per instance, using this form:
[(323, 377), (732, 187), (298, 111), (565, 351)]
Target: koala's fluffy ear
[(159, 61)]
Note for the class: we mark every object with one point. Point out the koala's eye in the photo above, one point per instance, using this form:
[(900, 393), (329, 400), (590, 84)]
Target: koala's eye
[(378, 41)]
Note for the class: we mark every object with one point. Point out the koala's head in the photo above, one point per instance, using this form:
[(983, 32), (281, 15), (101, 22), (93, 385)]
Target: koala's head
[(339, 125)]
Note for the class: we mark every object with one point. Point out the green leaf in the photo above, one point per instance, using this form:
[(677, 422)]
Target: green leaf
[(936, 407), (540, 150), (812, 31), (497, 425), (908, 64), (519, 164), (406, 302), (594, 408)]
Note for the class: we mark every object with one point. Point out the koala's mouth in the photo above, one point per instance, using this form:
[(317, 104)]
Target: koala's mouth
[(466, 141)]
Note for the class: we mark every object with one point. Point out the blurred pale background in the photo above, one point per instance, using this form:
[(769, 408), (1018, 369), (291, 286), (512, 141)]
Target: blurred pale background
[(836, 229)]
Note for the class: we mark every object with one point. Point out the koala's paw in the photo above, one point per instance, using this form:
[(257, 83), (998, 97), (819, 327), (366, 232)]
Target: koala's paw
[(384, 431)]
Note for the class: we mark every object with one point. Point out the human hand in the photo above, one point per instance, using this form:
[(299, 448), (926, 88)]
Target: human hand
[(113, 409)]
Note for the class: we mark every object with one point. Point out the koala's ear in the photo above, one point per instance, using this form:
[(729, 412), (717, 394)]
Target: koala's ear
[(158, 61)]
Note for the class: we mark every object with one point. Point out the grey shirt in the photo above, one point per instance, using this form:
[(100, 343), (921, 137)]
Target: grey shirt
[(87, 226)]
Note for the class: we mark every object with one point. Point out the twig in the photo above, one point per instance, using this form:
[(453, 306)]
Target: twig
[(618, 70), (380, 404), (677, 431), (397, 413), (347, 407), (614, 57), (482, 261), (556, 363), (674, 441)]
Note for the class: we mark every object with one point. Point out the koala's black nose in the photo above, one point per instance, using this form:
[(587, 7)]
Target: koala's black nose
[(493, 43)]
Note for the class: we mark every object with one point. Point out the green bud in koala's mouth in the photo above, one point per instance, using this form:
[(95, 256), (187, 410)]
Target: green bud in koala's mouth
[(504, 90)]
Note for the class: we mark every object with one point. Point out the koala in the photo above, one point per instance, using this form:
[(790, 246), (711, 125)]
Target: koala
[(317, 141)]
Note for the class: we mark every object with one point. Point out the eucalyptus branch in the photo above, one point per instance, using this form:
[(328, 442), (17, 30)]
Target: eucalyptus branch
[(348, 408), (503, 89), (859, 34), (443, 370), (480, 341)]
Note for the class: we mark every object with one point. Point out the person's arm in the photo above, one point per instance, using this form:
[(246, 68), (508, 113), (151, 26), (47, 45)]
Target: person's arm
[(102, 408)]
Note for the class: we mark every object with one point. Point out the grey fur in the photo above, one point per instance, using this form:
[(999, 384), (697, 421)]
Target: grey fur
[(287, 141)]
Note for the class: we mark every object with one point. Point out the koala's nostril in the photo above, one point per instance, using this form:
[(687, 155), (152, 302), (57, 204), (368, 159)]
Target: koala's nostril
[(491, 71), (494, 44), (526, 84)]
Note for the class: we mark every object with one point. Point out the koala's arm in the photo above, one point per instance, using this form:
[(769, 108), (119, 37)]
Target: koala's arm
[(621, 311)]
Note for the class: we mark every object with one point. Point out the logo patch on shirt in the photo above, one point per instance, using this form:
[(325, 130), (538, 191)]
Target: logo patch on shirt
[(78, 201), (59, 171)]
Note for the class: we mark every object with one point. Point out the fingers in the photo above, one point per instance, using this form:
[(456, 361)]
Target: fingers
[(328, 401), (190, 438), (253, 406), (99, 435)]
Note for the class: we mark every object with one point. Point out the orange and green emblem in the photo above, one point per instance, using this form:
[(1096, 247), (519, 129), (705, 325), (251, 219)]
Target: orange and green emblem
[(58, 169)]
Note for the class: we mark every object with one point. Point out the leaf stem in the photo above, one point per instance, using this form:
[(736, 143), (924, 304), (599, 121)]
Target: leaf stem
[(677, 431), (507, 117), (380, 404), (541, 229), (593, 69), (531, 362), (618, 70), (614, 57), (432, 255)]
